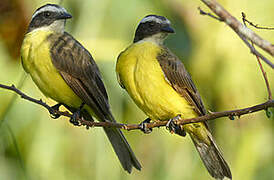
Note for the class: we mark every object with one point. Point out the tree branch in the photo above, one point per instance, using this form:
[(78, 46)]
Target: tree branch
[(254, 25), (242, 31), (265, 79), (40, 102), (258, 59), (210, 116)]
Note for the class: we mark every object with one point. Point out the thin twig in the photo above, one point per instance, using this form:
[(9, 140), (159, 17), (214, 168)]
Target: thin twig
[(209, 14), (211, 116), (254, 25), (243, 32), (258, 59), (265, 79), (255, 52), (40, 102)]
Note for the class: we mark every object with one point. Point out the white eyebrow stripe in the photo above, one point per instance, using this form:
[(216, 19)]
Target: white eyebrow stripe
[(155, 19), (49, 8)]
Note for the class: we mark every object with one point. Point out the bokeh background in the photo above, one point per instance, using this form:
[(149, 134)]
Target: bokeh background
[(34, 146)]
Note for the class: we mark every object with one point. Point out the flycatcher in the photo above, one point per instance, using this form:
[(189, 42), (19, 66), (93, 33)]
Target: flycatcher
[(66, 72), (160, 85)]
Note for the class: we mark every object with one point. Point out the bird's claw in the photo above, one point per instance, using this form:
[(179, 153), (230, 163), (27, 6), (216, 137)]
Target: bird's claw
[(143, 126), (76, 116), (54, 108), (74, 119), (175, 128)]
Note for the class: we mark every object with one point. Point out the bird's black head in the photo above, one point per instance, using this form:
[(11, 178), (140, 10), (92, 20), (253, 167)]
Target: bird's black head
[(152, 25), (47, 15)]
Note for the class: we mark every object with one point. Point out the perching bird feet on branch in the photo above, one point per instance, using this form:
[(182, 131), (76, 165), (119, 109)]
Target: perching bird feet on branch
[(56, 107), (143, 126), (76, 116), (174, 128)]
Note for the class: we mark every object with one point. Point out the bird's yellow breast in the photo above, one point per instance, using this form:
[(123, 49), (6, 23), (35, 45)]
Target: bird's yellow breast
[(142, 76), (37, 62)]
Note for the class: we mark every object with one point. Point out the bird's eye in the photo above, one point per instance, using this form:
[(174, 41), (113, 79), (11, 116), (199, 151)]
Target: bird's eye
[(151, 23), (47, 14)]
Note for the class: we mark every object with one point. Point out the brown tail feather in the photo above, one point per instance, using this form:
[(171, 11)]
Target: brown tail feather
[(211, 157)]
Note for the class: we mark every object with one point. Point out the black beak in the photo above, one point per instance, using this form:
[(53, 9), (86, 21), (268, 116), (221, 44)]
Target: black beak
[(65, 16), (167, 29)]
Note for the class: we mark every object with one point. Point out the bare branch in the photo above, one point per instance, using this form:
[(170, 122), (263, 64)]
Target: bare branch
[(207, 117), (40, 102), (209, 14), (254, 25), (265, 79), (255, 52), (211, 116), (258, 59), (243, 32)]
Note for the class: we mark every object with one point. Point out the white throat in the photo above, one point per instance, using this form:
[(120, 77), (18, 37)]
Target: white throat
[(57, 26), (156, 38)]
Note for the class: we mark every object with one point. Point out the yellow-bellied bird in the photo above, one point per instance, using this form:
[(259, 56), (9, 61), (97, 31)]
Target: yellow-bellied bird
[(66, 72), (159, 84)]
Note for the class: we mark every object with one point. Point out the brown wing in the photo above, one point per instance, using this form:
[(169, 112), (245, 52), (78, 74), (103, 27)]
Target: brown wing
[(80, 72), (180, 80)]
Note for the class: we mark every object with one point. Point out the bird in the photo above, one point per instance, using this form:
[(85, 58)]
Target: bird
[(65, 71), (162, 88)]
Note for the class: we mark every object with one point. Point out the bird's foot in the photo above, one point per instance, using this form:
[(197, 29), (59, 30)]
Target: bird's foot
[(76, 116), (143, 126), (175, 128), (56, 107)]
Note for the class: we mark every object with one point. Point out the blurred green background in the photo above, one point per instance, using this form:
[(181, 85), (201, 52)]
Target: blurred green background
[(33, 146)]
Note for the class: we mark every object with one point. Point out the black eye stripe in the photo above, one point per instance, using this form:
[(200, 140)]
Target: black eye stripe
[(150, 23), (147, 29), (44, 18), (46, 14)]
